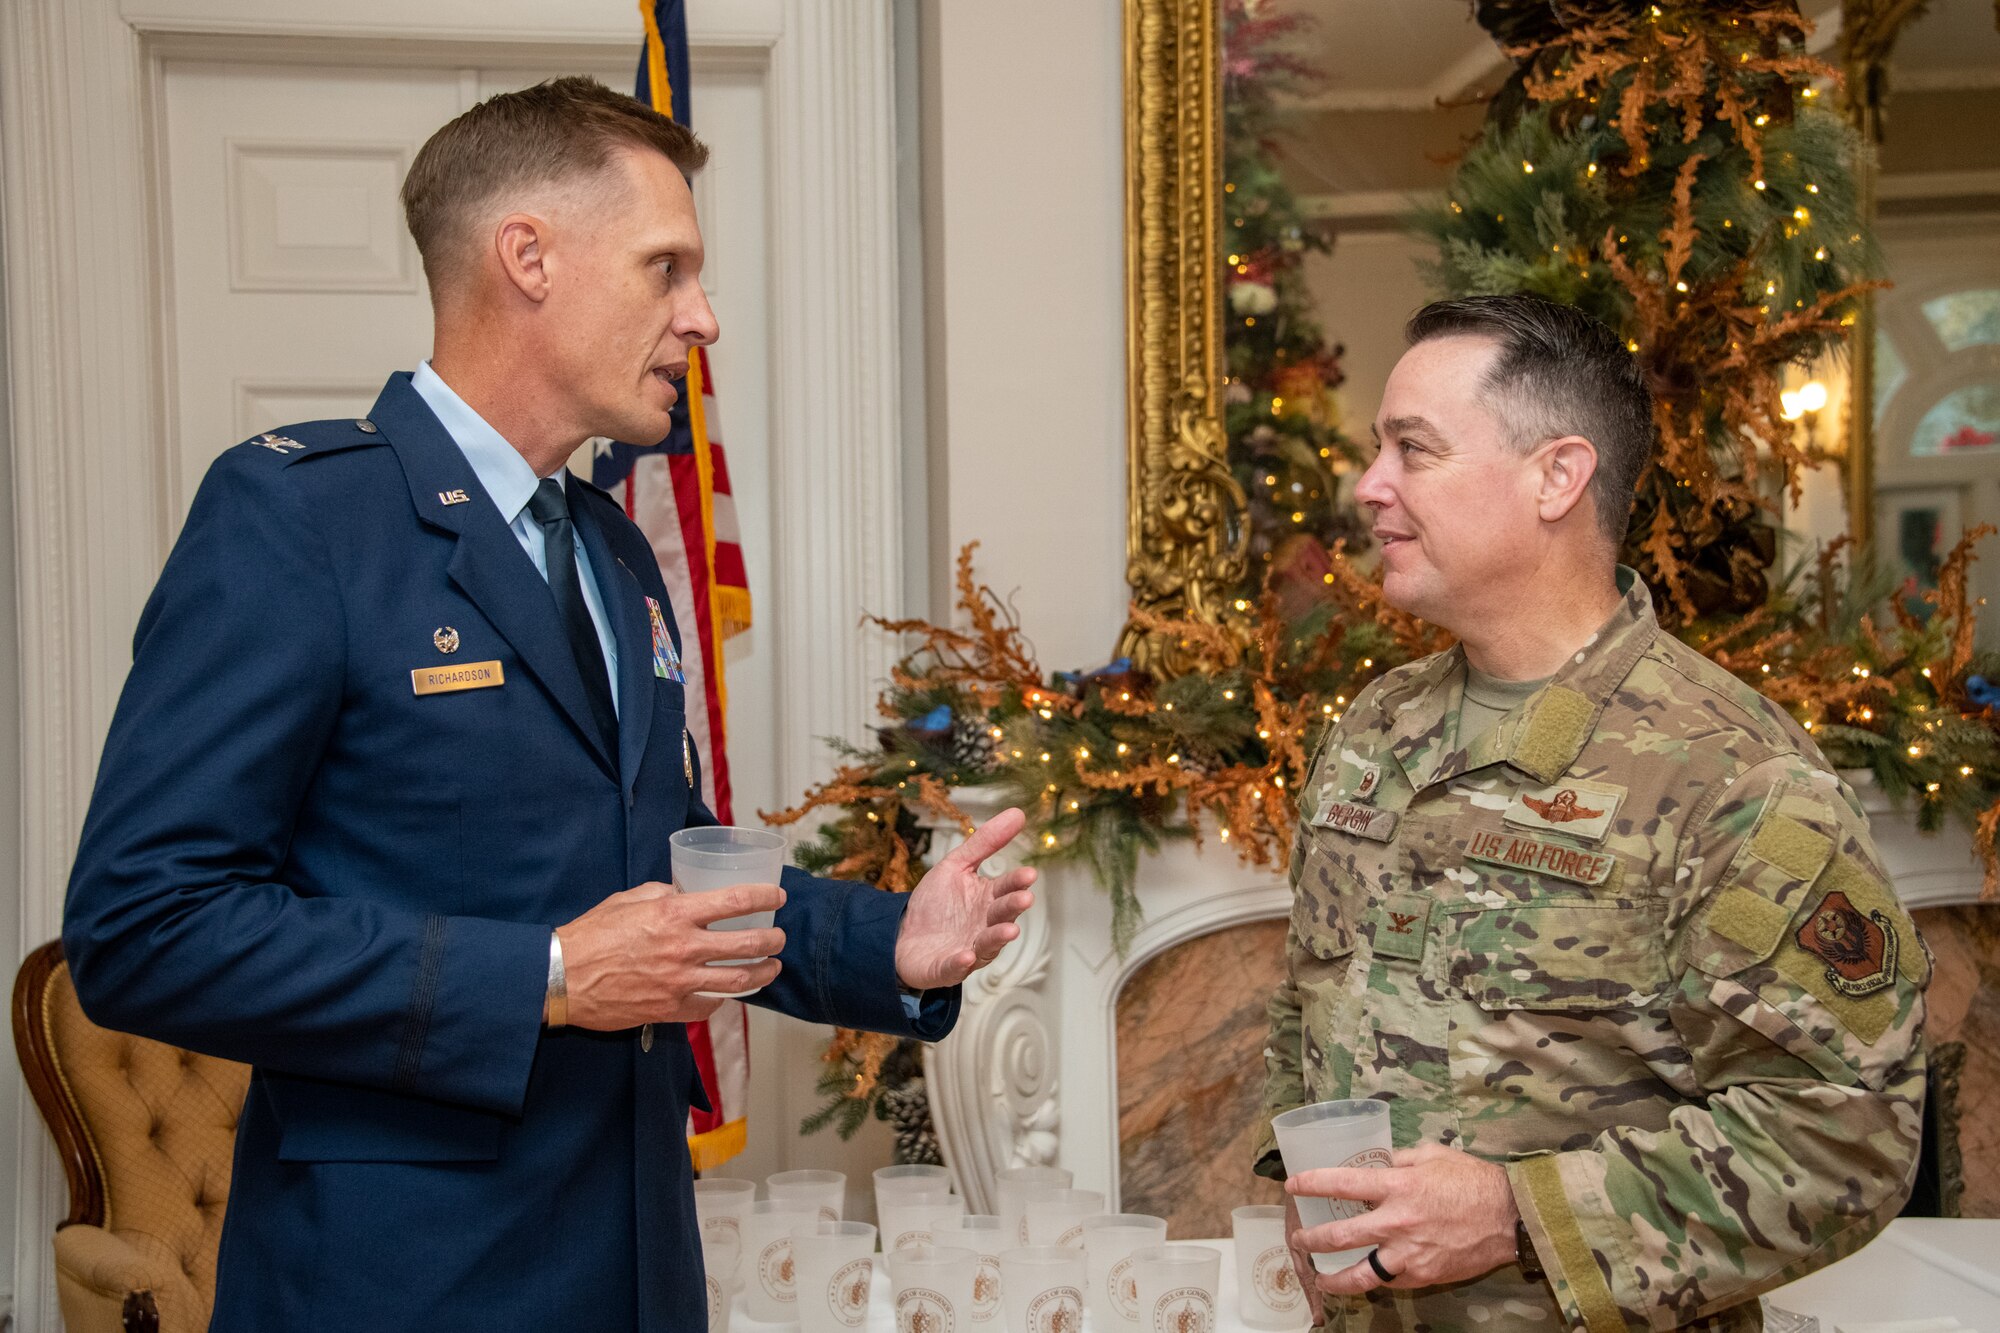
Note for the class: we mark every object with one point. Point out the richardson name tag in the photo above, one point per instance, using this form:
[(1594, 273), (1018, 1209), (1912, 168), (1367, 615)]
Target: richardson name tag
[(1541, 858), (1363, 821), (458, 676)]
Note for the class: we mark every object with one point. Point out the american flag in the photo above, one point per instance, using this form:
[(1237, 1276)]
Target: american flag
[(677, 491)]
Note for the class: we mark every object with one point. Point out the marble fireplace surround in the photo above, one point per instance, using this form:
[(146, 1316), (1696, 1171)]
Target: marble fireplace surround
[(1029, 1077)]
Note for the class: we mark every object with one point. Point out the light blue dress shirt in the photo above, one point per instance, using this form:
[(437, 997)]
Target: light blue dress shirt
[(511, 483)]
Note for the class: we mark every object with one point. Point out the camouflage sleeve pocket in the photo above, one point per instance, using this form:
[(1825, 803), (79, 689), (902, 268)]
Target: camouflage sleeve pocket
[(1320, 922), (1566, 955)]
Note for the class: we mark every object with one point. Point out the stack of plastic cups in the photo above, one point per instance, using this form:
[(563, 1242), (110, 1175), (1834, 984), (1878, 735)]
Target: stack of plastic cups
[(770, 1293), (1017, 1185), (833, 1269), (1108, 1242), (1268, 1294), (983, 1234), (1041, 1287), (1177, 1286), (931, 1287)]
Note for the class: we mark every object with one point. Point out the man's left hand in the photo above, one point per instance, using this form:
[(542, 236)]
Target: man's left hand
[(958, 919), (1436, 1215)]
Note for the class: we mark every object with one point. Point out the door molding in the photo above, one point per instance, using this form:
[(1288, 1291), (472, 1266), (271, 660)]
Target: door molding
[(91, 420)]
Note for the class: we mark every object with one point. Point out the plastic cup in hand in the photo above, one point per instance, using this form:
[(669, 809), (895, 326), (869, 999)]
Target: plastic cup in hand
[(1177, 1285), (1041, 1289), (907, 1221), (1109, 1239), (770, 1288), (1268, 1294), (1017, 1185), (833, 1268), (983, 1234), (931, 1287), (1347, 1133), (825, 1192), (1056, 1218), (719, 1205), (721, 1252), (706, 859)]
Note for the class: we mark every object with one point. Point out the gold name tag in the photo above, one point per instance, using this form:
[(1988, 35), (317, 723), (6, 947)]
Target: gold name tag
[(459, 676), (1543, 858), (1361, 820)]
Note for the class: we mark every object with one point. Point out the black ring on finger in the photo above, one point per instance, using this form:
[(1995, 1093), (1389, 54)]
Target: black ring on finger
[(1376, 1264)]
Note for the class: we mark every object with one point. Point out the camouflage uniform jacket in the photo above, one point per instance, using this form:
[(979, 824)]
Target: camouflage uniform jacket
[(1635, 944)]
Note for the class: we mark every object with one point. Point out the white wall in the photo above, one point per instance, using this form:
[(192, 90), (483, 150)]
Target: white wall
[(1026, 315)]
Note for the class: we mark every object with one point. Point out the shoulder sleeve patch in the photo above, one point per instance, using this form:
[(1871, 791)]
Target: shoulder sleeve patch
[(1792, 847), (1555, 733)]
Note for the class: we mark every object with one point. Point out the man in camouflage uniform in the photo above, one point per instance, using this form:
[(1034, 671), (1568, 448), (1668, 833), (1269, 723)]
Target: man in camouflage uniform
[(1590, 914)]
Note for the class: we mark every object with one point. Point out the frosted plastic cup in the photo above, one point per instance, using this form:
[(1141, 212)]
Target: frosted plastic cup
[(931, 1288), (1017, 1185), (706, 859), (1348, 1133), (1041, 1289), (907, 1221), (1056, 1218), (981, 1233), (825, 1192), (770, 1288), (719, 1205), (721, 1252), (1268, 1294), (833, 1266), (1108, 1242), (1177, 1285), (897, 1182)]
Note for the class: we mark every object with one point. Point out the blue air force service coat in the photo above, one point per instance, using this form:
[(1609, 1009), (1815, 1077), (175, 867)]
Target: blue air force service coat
[(295, 859)]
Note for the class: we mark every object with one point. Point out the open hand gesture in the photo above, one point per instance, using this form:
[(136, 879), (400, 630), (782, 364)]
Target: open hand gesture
[(958, 919)]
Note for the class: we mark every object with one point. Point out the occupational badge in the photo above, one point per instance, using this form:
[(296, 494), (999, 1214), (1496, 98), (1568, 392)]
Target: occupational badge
[(1580, 809), (446, 639), (666, 662)]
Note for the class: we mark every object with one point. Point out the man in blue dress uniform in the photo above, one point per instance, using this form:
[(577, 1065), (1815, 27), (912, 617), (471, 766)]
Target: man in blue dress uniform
[(398, 744)]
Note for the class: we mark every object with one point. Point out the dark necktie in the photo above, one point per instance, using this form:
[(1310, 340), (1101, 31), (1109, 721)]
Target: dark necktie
[(550, 508)]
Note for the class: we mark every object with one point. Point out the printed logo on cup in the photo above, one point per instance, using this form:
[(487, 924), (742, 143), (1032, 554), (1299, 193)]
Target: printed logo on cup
[(1184, 1310), (1276, 1282), (719, 1226), (775, 1270), (1343, 1209), (1124, 1288), (986, 1288), (827, 1214), (1057, 1310), (905, 1239), (1073, 1237), (921, 1310), (714, 1302), (847, 1292)]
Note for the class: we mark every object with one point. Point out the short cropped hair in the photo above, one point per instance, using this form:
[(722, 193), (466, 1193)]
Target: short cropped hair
[(1559, 372), (558, 131)]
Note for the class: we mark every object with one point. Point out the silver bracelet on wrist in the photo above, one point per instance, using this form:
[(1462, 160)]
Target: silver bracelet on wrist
[(557, 998)]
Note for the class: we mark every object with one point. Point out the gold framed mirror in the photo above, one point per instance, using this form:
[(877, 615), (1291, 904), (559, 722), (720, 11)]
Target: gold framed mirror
[(1185, 540)]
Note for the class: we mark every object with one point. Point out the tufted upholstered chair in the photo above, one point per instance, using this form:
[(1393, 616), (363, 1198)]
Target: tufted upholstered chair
[(146, 1132)]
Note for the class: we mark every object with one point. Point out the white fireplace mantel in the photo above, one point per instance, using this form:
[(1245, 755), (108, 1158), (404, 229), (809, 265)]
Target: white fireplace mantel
[(1029, 1077)]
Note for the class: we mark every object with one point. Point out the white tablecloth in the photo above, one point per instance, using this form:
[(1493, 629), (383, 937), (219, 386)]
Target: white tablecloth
[(1917, 1268)]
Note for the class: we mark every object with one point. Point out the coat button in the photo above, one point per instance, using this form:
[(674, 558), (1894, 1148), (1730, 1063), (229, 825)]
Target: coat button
[(365, 425), (646, 1038)]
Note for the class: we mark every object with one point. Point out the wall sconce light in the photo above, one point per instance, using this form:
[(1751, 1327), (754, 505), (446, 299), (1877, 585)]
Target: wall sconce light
[(1805, 403)]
